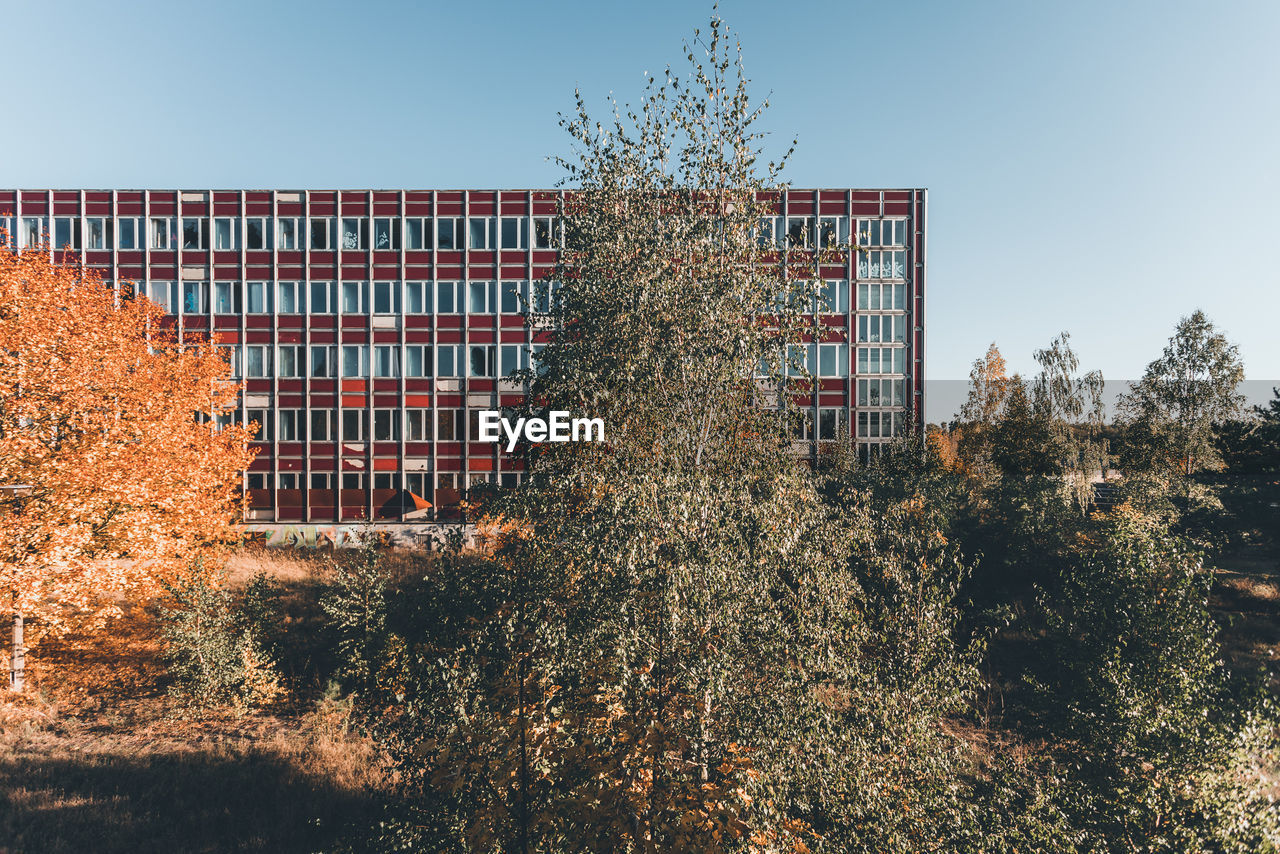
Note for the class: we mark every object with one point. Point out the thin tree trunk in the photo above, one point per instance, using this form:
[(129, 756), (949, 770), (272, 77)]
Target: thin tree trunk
[(17, 674)]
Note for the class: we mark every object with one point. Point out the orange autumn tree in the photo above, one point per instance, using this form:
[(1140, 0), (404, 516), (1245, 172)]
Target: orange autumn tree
[(112, 471)]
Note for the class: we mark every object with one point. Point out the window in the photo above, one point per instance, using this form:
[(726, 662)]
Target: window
[(263, 418), (874, 425), (449, 297), (767, 232), (353, 425), (449, 425), (417, 233), (226, 297), (882, 232), (875, 328), (256, 480), (324, 425), (353, 480), (98, 233), (417, 482), (882, 264), (833, 360), (386, 297), (257, 360), (323, 363), (129, 229), (321, 480), (482, 297), (881, 297), (355, 297), (290, 297), (514, 358), (417, 425), (797, 360), (32, 232), (290, 423), (833, 296), (193, 229), (882, 360), (829, 424), (881, 392), (386, 361), (447, 481), (545, 234), (546, 297), (481, 362), (417, 298), (66, 232), (10, 236), (535, 354), (480, 231), (384, 480), (386, 233), (195, 297), (257, 232), (320, 236), (355, 233), (417, 360), (355, 360), (257, 297), (231, 355), (449, 232), (514, 295), (165, 295), (799, 231), (833, 231), (447, 364), (288, 233), (289, 360), (510, 479), (287, 480), (515, 232), (226, 235), (162, 233), (324, 297), (386, 425)]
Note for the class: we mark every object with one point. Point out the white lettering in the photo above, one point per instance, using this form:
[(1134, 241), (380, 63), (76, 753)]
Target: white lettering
[(490, 425), (535, 430), (559, 426), (589, 426), (513, 433)]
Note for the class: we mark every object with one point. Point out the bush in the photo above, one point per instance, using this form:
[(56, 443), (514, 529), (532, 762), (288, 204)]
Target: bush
[(217, 649)]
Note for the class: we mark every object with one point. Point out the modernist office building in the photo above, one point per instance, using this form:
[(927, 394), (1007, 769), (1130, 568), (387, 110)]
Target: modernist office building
[(371, 327)]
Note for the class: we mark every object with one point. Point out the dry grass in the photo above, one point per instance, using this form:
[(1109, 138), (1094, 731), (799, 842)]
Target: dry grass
[(95, 757)]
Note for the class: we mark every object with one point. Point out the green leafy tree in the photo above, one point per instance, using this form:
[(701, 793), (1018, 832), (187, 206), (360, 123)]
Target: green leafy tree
[(1169, 414)]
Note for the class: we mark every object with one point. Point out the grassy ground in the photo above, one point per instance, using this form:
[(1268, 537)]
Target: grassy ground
[(97, 758)]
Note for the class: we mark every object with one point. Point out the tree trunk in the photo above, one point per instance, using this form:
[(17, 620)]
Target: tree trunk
[(17, 674)]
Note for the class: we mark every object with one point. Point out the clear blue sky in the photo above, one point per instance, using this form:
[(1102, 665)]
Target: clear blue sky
[(1098, 167)]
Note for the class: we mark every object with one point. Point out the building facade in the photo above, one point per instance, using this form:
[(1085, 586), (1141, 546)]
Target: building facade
[(371, 327)]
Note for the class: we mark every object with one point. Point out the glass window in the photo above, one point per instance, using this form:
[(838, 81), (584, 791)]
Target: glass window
[(322, 361), (289, 301), (386, 233), (195, 297), (515, 232), (287, 480), (258, 297), (386, 361), (386, 297), (417, 233), (324, 297), (833, 231), (355, 360), (164, 294), (386, 425), (320, 236), (449, 425), (290, 422), (417, 425), (353, 480), (257, 360), (480, 232), (193, 233), (417, 360), (66, 232), (447, 364), (799, 231), (513, 358), (288, 232), (833, 296), (257, 232), (230, 354), (449, 232), (324, 425), (513, 296), (449, 297), (354, 233), (226, 297), (128, 231), (481, 361), (353, 425), (98, 233), (481, 297), (321, 480), (828, 424), (417, 298), (226, 235), (289, 360), (833, 360), (162, 236), (544, 233), (355, 297)]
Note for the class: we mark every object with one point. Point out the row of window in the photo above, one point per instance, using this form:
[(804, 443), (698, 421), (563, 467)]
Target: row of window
[(388, 233), (328, 361), (264, 232), (419, 483)]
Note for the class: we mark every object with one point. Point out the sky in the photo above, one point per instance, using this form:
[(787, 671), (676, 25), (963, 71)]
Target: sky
[(1101, 168)]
